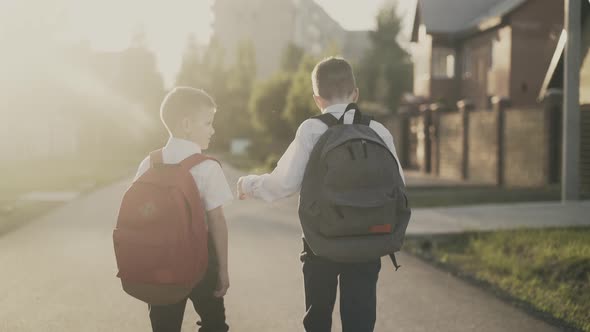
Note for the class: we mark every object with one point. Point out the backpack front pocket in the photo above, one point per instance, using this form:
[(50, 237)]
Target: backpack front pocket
[(338, 220)]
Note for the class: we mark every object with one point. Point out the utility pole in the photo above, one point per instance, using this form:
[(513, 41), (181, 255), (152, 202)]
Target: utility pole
[(570, 179)]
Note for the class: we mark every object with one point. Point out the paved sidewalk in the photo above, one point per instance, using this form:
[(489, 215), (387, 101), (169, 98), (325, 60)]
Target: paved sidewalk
[(499, 216)]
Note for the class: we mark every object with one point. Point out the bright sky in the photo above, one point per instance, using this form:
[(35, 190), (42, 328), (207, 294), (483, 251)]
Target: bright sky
[(108, 24), (360, 14)]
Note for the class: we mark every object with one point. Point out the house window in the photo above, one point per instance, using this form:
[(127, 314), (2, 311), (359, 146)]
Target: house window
[(443, 63), (467, 70)]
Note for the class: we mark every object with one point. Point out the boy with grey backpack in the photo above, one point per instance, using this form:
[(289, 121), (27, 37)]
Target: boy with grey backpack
[(353, 207)]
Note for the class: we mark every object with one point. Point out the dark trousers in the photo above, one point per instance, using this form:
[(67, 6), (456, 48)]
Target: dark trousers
[(168, 318), (358, 293)]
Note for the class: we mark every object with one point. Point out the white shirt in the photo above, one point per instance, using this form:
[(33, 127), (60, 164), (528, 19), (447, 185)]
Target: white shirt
[(286, 178), (208, 175)]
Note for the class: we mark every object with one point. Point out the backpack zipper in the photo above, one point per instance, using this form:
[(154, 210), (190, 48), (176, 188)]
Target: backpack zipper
[(365, 148)]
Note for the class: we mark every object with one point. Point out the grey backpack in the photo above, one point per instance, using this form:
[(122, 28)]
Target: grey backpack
[(353, 206)]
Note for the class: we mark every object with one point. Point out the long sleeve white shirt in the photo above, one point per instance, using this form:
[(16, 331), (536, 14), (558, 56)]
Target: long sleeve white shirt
[(286, 178)]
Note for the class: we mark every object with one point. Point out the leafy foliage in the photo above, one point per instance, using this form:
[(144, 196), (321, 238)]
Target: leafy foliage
[(267, 106), (300, 104), (385, 73)]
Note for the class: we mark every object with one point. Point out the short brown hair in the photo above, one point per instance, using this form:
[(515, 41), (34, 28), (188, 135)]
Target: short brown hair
[(182, 102), (333, 78)]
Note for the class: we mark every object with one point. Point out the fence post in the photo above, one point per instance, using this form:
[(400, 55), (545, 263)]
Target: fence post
[(553, 103), (404, 114), (427, 120), (500, 104), (435, 110), (465, 106), (402, 145)]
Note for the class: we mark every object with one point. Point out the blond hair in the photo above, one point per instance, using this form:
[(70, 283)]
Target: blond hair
[(182, 102)]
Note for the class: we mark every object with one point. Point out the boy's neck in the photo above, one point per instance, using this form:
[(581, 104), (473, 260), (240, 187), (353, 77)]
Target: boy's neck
[(183, 139), (340, 102)]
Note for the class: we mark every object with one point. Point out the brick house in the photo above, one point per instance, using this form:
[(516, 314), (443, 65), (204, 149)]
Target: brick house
[(479, 49)]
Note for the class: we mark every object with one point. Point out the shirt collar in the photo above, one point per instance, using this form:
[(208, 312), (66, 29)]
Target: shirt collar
[(335, 109), (183, 145)]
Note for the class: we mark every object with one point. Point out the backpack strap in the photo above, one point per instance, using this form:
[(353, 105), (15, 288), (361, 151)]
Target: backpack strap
[(359, 118), (156, 158), (394, 261), (327, 118), (196, 159), (357, 113)]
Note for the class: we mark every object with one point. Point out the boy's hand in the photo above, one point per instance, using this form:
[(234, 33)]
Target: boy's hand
[(241, 194), (222, 283)]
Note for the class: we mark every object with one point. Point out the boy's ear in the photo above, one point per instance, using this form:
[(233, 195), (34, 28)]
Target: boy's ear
[(185, 125), (355, 95), (319, 101)]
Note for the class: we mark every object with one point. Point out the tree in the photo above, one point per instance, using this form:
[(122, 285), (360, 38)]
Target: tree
[(140, 82), (300, 103), (243, 72), (139, 77), (212, 72), (291, 58), (332, 49), (191, 69), (267, 106), (233, 119), (385, 72), (229, 86)]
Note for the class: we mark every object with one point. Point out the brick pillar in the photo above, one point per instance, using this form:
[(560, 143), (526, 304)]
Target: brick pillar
[(465, 106), (435, 110), (426, 113), (403, 146), (499, 106), (553, 103)]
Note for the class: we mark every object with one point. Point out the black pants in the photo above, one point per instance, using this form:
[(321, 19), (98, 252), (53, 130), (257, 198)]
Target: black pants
[(358, 293), (168, 318)]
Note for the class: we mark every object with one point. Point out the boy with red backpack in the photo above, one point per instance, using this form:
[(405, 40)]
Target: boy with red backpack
[(171, 235)]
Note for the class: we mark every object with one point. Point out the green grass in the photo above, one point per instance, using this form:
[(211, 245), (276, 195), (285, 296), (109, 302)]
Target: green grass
[(548, 269), (79, 174), (71, 174)]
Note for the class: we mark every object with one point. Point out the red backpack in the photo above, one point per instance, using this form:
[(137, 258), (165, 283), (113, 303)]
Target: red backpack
[(161, 235)]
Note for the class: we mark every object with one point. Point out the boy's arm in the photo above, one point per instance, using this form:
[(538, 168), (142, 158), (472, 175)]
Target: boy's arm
[(286, 178), (218, 231), (388, 139), (215, 192)]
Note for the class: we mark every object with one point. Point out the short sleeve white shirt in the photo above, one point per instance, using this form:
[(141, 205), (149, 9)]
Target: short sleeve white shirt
[(208, 175)]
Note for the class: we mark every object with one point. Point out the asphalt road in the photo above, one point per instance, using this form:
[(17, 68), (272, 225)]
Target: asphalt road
[(58, 274)]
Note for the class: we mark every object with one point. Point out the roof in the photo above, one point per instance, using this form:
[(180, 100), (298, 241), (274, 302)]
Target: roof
[(459, 16), (495, 13), (555, 73)]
